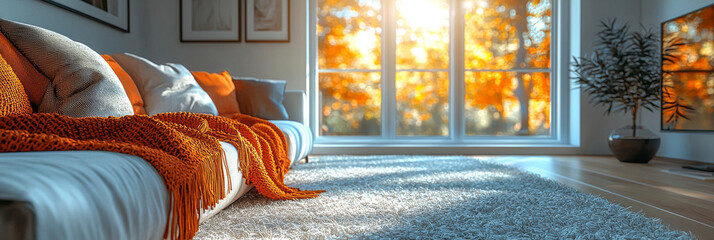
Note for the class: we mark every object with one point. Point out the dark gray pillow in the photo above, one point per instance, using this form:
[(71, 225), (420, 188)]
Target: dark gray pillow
[(82, 84), (261, 97)]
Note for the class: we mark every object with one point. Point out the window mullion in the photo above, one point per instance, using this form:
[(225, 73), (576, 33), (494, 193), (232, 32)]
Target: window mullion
[(558, 88), (456, 72), (313, 85), (389, 46)]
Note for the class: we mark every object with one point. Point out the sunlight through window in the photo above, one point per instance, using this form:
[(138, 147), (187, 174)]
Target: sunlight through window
[(507, 70)]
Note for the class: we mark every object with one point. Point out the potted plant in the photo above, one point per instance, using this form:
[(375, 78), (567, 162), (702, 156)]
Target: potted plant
[(624, 74)]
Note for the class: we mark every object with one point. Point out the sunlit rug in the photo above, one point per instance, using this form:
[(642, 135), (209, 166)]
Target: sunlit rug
[(418, 197)]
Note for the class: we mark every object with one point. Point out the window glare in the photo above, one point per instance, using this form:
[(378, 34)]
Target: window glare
[(507, 68)]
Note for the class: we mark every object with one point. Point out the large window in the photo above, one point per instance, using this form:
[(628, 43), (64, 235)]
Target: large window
[(434, 69)]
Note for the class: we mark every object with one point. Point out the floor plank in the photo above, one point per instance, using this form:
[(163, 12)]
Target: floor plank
[(682, 203)]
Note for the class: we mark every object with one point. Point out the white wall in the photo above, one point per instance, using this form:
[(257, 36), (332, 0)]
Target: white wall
[(100, 37), (692, 146), (595, 127), (285, 61)]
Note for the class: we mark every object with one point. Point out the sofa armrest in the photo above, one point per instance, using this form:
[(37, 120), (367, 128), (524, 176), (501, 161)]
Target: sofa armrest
[(295, 102)]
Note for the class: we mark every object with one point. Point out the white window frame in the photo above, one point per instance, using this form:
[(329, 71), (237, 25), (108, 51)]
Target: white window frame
[(562, 104)]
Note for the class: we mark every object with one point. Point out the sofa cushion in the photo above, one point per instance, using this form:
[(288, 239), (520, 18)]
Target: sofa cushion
[(166, 88), (298, 136), (261, 98), (81, 83), (13, 99), (137, 103), (87, 194), (221, 89), (32, 80)]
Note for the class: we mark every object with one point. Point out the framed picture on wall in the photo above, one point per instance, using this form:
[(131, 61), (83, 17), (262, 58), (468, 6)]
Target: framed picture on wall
[(687, 98), (210, 20), (267, 21), (114, 13)]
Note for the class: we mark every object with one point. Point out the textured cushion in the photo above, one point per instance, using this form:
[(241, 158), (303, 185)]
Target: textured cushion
[(166, 88), (81, 83), (261, 98), (13, 99), (221, 90), (137, 103), (33, 81), (298, 136)]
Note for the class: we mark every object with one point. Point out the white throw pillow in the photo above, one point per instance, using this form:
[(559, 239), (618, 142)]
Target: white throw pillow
[(166, 88)]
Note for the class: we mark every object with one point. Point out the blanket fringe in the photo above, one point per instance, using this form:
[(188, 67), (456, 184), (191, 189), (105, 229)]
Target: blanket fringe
[(184, 148)]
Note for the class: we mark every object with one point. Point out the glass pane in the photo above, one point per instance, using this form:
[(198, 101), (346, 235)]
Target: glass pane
[(697, 32), (507, 34), (692, 89), (422, 34), (350, 104), (349, 34), (422, 103), (507, 103)]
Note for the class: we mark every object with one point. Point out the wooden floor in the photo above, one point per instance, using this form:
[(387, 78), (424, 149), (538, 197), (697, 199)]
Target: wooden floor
[(682, 203)]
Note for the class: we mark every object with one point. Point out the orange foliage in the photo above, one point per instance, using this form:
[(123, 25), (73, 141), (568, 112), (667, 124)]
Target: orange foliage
[(502, 35), (690, 79), (698, 37)]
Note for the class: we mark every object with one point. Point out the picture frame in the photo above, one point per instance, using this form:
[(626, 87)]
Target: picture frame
[(199, 23), (685, 96), (114, 13), (267, 21)]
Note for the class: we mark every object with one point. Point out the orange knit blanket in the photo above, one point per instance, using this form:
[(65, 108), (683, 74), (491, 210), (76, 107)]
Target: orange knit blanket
[(183, 147)]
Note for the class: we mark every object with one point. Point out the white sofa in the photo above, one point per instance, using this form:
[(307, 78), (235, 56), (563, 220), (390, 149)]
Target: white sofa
[(107, 195), (296, 127)]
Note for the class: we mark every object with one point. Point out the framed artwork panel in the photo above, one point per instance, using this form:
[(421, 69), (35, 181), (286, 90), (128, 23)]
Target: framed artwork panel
[(210, 21), (114, 13), (688, 79), (267, 21)]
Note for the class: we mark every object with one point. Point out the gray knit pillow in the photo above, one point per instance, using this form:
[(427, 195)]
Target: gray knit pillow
[(81, 83)]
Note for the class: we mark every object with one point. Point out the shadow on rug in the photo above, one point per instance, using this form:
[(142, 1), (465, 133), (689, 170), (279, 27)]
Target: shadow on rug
[(417, 197)]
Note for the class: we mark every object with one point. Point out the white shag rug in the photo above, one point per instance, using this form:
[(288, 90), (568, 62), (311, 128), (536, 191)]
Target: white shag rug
[(428, 197)]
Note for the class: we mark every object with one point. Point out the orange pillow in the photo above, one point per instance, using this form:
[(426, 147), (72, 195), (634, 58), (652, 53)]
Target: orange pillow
[(34, 82), (13, 99), (129, 86), (221, 89)]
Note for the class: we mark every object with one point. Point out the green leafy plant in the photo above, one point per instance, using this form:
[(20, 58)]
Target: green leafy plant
[(623, 73)]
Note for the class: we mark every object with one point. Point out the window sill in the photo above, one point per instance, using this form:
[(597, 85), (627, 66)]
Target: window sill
[(551, 147)]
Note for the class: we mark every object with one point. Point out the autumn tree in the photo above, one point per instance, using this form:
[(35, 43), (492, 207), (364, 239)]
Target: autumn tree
[(500, 35), (505, 35), (349, 38)]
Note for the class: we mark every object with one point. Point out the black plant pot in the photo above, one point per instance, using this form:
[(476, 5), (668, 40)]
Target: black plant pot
[(638, 148)]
